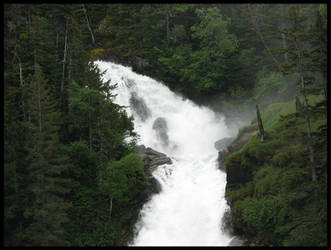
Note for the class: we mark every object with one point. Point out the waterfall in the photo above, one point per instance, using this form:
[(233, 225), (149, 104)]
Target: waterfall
[(188, 211)]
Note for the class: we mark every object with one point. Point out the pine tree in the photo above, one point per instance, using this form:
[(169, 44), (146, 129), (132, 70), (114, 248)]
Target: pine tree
[(47, 186), (302, 61)]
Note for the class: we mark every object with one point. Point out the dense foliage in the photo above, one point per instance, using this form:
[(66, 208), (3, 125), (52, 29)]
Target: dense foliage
[(202, 49), (282, 199), (61, 133), (180, 43), (277, 205)]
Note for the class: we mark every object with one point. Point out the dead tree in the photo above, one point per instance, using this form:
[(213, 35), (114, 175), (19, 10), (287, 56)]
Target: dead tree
[(64, 57), (257, 23), (298, 107), (283, 26), (88, 22), (259, 123)]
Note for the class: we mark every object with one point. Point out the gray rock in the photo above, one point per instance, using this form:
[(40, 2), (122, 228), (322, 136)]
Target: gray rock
[(129, 82), (139, 106), (235, 145), (161, 128), (237, 241), (140, 149), (223, 143), (151, 158), (241, 140), (221, 159), (153, 152)]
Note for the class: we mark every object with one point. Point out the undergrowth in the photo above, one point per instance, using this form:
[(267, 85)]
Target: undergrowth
[(277, 206)]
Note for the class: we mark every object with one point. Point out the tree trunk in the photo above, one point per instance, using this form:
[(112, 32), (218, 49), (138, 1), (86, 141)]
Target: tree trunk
[(21, 69), (167, 21), (39, 106), (284, 47), (298, 107), (305, 107), (90, 125), (259, 122), (64, 58), (90, 131), (88, 23), (284, 43), (267, 47), (167, 27), (310, 146), (57, 42), (110, 206), (69, 82), (21, 83), (259, 33), (69, 71)]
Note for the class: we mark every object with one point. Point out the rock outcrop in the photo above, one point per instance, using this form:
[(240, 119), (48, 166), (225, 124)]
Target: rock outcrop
[(222, 144), (161, 128), (229, 145), (235, 175), (139, 106), (152, 159), (236, 242), (129, 82)]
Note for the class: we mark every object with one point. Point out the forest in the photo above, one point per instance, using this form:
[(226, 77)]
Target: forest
[(70, 170)]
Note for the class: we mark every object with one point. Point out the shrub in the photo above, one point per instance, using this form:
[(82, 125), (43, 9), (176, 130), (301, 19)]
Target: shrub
[(124, 179), (263, 216)]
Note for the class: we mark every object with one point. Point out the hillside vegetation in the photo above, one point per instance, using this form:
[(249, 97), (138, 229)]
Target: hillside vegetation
[(278, 203)]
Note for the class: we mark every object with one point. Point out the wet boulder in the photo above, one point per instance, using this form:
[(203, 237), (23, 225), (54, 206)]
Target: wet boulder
[(129, 82), (161, 128), (139, 106), (151, 158), (223, 143), (235, 145)]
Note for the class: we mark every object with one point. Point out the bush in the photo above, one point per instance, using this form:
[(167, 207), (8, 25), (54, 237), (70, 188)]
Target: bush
[(263, 217), (267, 182), (124, 179)]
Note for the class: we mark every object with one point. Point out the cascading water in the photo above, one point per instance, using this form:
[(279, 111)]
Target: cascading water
[(189, 209)]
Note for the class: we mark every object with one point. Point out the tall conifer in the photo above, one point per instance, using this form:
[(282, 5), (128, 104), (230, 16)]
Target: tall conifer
[(47, 209)]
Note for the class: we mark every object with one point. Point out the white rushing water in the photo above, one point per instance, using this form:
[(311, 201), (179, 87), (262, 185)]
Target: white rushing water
[(188, 211)]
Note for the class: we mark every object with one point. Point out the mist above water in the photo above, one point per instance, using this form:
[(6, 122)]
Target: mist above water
[(188, 211)]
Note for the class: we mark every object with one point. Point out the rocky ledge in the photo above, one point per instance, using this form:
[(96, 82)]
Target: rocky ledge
[(228, 145), (225, 147), (152, 159)]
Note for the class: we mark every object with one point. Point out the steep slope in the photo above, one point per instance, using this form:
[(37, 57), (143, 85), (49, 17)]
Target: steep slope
[(269, 185)]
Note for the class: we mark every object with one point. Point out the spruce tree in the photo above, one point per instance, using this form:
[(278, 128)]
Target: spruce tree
[(47, 186), (302, 62)]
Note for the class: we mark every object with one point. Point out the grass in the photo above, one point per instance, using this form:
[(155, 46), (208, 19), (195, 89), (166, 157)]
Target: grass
[(273, 112), (281, 177)]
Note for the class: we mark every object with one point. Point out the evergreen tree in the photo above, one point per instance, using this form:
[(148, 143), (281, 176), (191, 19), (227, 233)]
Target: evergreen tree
[(302, 60), (47, 182), (16, 51), (47, 186)]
